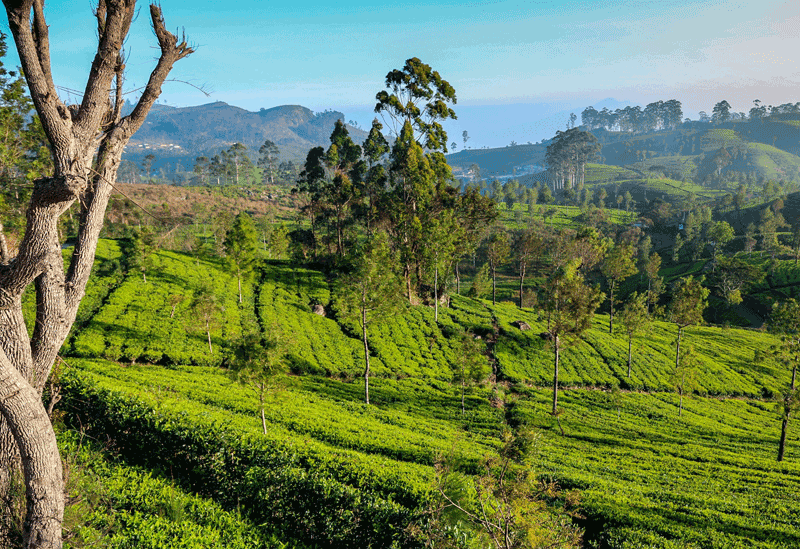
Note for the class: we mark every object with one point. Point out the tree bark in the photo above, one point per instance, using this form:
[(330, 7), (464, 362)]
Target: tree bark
[(261, 401), (366, 353), (611, 308), (494, 285), (782, 444), (87, 142), (678, 347), (521, 281), (436, 294), (555, 374), (630, 344)]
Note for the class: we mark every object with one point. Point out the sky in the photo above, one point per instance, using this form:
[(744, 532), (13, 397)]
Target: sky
[(530, 63)]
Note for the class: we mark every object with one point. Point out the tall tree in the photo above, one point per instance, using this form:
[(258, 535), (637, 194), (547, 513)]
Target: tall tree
[(471, 366), (375, 148), (241, 247), (419, 96), (785, 321), (332, 181), (497, 250), (268, 155), (87, 142), (686, 308), (370, 292), (721, 112), (684, 378), (570, 305), (618, 265), (527, 246), (635, 319), (257, 363), (719, 235)]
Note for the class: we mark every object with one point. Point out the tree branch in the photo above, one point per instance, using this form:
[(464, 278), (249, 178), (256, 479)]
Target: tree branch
[(41, 36), (114, 19), (52, 112), (171, 52)]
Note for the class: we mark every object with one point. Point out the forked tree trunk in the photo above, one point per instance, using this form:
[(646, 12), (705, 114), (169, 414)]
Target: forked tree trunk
[(87, 142)]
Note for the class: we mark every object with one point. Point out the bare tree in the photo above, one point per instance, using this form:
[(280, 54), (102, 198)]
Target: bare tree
[(87, 142)]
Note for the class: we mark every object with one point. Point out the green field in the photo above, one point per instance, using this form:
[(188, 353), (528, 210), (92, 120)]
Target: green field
[(333, 472)]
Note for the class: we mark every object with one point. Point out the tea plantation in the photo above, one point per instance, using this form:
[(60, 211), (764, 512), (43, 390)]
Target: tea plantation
[(185, 455)]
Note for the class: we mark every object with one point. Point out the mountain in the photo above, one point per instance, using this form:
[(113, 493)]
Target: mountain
[(182, 134)]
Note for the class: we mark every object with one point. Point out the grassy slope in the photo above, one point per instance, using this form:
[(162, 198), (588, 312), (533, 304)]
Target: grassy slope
[(708, 478)]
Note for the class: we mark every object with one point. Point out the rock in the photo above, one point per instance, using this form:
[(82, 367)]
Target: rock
[(522, 325), (318, 309)]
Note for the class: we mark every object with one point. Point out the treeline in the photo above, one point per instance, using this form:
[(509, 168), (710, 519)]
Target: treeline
[(656, 116), (668, 115)]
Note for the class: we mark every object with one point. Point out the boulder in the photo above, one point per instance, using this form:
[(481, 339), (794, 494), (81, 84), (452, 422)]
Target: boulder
[(318, 309), (521, 324)]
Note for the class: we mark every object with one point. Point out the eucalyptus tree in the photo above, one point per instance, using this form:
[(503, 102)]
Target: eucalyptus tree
[(417, 95), (87, 141), (618, 264), (570, 304), (241, 247), (268, 155), (375, 148), (686, 308), (258, 360), (369, 293), (332, 180), (785, 322), (498, 249), (635, 319), (527, 246)]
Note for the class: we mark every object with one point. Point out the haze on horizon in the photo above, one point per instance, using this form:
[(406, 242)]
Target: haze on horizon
[(512, 63)]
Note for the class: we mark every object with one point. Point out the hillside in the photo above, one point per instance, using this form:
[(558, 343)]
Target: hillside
[(714, 156), (498, 162), (333, 472), (181, 134)]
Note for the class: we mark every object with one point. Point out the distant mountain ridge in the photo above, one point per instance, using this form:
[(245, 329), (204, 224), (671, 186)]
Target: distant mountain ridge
[(173, 133)]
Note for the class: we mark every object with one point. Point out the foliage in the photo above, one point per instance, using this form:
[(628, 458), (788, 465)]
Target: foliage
[(505, 505), (419, 96)]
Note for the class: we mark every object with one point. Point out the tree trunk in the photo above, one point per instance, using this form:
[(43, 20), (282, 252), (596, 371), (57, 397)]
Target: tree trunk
[(611, 303), (678, 347), (366, 353), (87, 141), (521, 281), (27, 420), (261, 401), (555, 374), (208, 333), (680, 406), (494, 284), (463, 391), (458, 278), (630, 343), (436, 294), (784, 428), (239, 281)]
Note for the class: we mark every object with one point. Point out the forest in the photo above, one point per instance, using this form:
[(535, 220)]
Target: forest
[(366, 350)]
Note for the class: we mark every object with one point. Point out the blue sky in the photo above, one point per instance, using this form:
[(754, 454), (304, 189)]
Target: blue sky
[(565, 55)]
